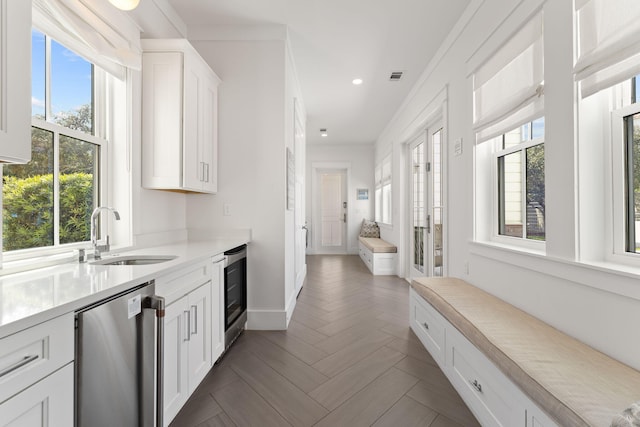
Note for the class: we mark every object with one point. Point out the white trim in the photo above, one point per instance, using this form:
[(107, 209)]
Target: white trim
[(266, 320), (291, 305), (605, 276)]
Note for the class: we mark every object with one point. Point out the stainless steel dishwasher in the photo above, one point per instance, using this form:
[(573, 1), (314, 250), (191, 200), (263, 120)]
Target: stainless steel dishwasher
[(119, 360)]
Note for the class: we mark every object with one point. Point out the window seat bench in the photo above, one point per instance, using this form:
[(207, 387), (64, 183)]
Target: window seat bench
[(511, 368), (378, 255)]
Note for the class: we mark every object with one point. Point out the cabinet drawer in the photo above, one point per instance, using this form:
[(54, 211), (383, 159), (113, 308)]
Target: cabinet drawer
[(30, 355), (47, 403), (482, 386), (428, 327), (176, 285)]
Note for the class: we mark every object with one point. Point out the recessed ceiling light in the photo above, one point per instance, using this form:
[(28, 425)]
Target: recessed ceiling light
[(125, 4), (357, 82), (323, 132)]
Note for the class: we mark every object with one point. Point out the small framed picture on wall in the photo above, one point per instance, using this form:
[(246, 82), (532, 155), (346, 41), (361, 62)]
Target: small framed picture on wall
[(362, 194)]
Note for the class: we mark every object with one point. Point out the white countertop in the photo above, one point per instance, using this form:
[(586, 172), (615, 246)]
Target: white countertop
[(35, 296)]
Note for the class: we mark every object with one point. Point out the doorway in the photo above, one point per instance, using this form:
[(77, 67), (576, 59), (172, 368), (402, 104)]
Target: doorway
[(426, 219), (332, 211), (300, 226)]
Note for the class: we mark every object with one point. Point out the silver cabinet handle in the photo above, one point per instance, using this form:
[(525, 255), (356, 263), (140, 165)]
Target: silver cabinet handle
[(23, 362), (426, 325), (476, 385), (194, 308), (157, 303), (187, 315)]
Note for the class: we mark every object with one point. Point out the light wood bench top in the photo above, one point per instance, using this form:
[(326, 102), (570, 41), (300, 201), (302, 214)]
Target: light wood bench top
[(574, 383), (377, 245)]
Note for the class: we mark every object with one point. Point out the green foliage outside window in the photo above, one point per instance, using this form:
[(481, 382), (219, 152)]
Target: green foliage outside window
[(28, 210), (28, 190)]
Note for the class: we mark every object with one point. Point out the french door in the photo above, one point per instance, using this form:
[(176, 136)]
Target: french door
[(426, 255)]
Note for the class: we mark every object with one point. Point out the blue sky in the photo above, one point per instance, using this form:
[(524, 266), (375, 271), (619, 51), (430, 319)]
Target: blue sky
[(70, 77)]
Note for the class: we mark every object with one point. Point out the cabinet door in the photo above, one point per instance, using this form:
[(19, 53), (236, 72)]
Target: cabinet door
[(193, 93), (217, 310), (48, 402), (175, 370), (15, 81), (209, 141), (162, 120), (199, 334)]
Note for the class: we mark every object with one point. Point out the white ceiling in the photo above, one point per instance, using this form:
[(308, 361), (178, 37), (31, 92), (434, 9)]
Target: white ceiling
[(335, 41)]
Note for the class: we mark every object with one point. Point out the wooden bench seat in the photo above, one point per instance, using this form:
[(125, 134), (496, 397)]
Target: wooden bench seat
[(378, 255), (574, 384)]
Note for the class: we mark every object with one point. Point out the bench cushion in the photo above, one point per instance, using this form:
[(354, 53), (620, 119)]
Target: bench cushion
[(574, 383), (377, 245)]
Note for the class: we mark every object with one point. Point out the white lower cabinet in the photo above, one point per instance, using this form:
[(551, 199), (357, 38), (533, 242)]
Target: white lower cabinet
[(429, 326), (489, 394), (36, 375), (484, 389), (187, 347), (49, 402), (193, 329)]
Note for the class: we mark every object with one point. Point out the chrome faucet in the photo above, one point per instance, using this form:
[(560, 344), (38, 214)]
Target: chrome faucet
[(100, 246)]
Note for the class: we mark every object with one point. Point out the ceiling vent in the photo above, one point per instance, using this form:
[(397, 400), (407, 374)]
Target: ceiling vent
[(395, 76)]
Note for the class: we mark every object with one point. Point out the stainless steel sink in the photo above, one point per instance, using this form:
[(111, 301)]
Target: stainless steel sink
[(135, 260)]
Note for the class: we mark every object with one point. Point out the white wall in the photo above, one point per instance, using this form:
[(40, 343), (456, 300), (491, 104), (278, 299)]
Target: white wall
[(158, 216), (360, 161), (255, 127), (596, 305)]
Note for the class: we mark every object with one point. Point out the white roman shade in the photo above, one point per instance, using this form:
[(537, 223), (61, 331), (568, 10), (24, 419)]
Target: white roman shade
[(508, 88), (94, 29), (608, 43)]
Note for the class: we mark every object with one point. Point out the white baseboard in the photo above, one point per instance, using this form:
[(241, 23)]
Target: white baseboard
[(267, 320)]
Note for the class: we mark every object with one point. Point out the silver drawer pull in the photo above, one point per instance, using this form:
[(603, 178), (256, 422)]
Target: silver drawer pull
[(476, 385), (187, 315), (25, 361), (195, 322), (426, 325)]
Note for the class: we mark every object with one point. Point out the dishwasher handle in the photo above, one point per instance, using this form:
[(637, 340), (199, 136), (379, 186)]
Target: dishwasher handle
[(157, 304)]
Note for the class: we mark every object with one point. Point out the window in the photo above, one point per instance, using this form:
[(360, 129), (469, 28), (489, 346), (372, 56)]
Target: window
[(608, 59), (383, 197), (520, 171), (632, 182), (508, 101), (48, 201)]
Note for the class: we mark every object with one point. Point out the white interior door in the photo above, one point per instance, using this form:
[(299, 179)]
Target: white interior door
[(299, 214), (333, 213)]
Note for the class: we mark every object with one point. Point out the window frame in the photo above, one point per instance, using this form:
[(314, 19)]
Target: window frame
[(99, 121), (618, 174), (496, 154)]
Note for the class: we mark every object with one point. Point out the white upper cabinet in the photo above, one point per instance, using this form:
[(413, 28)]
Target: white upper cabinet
[(179, 118), (15, 81)]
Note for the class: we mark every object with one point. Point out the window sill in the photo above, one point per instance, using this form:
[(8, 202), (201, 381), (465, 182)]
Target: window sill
[(605, 276), (36, 262)]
